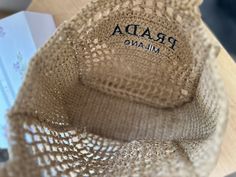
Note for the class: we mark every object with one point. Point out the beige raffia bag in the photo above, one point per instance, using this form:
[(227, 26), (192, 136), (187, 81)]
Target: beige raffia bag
[(125, 88)]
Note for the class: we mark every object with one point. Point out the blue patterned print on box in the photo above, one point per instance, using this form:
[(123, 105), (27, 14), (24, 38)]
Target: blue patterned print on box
[(20, 36)]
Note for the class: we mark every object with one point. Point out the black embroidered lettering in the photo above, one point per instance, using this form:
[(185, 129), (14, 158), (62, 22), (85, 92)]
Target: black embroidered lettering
[(147, 34), (131, 29), (134, 43), (117, 30), (172, 41), (161, 37)]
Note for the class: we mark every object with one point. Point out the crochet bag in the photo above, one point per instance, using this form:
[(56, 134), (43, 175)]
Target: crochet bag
[(125, 88)]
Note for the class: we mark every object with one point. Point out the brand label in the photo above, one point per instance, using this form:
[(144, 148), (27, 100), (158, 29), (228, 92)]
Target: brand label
[(146, 33)]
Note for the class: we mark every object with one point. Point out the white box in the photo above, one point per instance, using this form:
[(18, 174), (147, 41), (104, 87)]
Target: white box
[(21, 35)]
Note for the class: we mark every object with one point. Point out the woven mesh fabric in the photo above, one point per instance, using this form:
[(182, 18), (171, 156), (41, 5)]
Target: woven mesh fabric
[(92, 106)]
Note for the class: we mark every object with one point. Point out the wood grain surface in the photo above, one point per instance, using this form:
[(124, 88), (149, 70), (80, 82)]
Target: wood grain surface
[(65, 9)]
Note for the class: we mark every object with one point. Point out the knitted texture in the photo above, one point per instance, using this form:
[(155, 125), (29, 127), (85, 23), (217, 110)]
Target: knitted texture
[(125, 88)]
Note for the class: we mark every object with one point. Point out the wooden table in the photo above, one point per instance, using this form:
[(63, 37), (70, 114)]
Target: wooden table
[(65, 9)]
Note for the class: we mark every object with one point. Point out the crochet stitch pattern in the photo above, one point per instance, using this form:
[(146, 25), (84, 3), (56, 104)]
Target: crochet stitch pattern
[(124, 88)]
